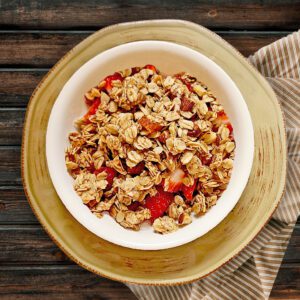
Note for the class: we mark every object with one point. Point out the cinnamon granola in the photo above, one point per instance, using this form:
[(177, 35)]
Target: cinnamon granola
[(151, 147)]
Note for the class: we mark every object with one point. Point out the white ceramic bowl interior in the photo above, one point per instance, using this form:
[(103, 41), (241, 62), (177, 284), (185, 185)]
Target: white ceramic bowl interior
[(169, 58)]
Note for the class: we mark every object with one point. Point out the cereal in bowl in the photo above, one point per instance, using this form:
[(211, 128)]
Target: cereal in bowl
[(151, 147)]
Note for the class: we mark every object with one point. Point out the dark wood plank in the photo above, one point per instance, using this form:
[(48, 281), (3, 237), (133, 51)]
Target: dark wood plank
[(14, 207), (10, 166), (58, 282), (29, 244), (60, 14), (287, 284), (17, 86), (73, 282), (43, 49), (11, 124), (36, 49)]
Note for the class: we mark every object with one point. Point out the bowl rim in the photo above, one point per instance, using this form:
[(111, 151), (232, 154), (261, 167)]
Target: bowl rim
[(45, 223), (160, 242)]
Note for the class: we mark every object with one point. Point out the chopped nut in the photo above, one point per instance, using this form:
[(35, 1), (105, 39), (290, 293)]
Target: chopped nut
[(184, 219), (230, 147), (186, 124), (199, 90), (165, 225), (133, 158), (227, 163), (112, 107), (186, 157), (172, 116), (142, 143), (209, 137), (131, 134)]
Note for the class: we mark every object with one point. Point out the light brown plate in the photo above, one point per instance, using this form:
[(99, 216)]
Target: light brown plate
[(204, 255)]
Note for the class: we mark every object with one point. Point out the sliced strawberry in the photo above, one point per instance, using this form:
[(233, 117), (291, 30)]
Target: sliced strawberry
[(91, 168), (205, 159), (151, 67), (135, 70), (186, 104), (164, 136), (222, 117), (108, 80), (229, 126), (188, 190), (134, 205), (93, 108), (138, 169), (159, 203), (174, 183), (111, 173), (92, 203), (149, 125), (184, 81), (75, 171), (196, 132)]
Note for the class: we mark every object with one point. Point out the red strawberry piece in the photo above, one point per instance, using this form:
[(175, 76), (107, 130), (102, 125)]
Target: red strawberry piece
[(186, 104), (184, 81), (205, 159), (174, 183), (196, 132), (229, 126), (135, 70), (91, 168), (71, 157), (93, 108), (151, 67), (92, 203), (188, 190), (134, 205), (138, 169), (75, 171), (159, 203), (108, 80), (188, 85), (111, 173), (222, 117), (164, 136), (149, 125)]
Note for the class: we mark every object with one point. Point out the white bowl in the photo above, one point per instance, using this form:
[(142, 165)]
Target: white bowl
[(169, 58)]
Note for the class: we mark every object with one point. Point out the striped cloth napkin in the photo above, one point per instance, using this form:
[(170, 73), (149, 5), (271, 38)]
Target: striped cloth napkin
[(252, 273)]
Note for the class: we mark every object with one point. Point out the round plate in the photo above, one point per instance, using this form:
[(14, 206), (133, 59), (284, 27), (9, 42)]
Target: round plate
[(69, 106), (190, 261)]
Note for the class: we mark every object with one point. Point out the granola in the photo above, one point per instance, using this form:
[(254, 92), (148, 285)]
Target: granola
[(151, 147)]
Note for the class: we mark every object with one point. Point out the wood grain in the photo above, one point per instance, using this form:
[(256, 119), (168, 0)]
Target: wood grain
[(17, 86), (96, 14), (10, 166), (58, 282), (14, 207), (73, 282), (43, 49), (29, 244), (11, 123), (287, 283)]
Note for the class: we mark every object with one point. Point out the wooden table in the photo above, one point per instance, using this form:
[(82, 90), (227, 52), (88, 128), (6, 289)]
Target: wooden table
[(33, 36)]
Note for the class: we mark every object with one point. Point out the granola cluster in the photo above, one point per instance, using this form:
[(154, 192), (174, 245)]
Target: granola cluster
[(151, 147)]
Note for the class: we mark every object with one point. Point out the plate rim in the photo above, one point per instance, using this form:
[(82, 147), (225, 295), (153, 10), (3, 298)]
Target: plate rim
[(41, 218)]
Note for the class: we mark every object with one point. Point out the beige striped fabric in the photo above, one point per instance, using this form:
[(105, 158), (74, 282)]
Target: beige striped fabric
[(252, 273)]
